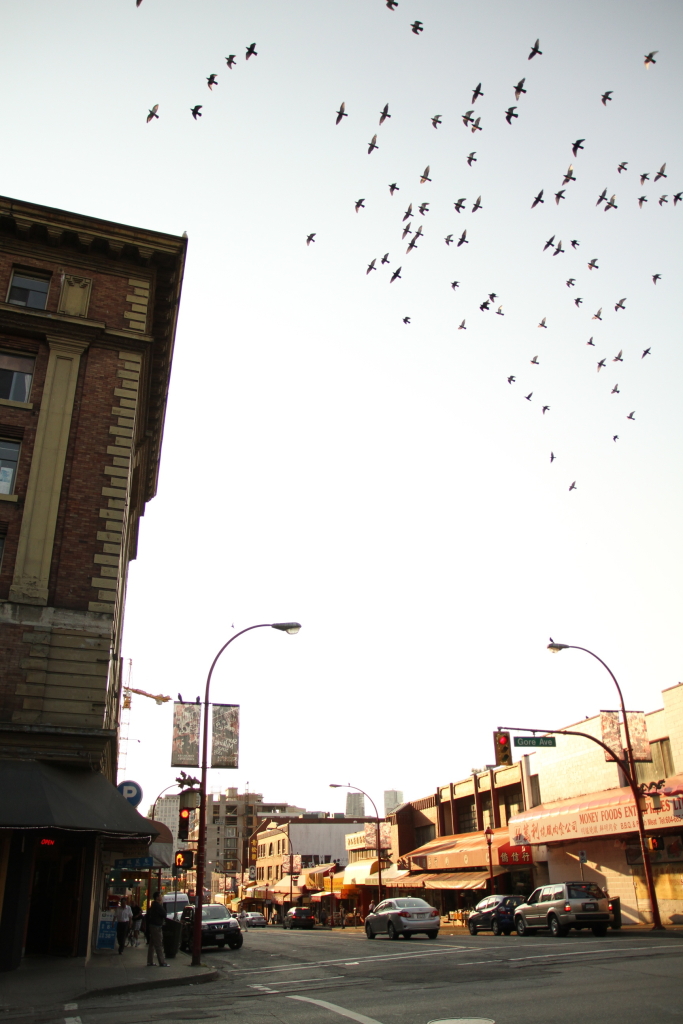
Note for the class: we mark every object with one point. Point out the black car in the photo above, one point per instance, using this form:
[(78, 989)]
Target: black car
[(496, 914), (218, 927), (299, 917)]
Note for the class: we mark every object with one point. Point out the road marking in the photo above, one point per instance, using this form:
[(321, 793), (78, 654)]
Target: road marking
[(301, 981), (264, 988), (70, 1006), (361, 1018), (352, 963), (72, 1020), (364, 960)]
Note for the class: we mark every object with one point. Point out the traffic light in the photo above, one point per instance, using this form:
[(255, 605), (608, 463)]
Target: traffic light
[(655, 842), (184, 824), (501, 742), (184, 860)]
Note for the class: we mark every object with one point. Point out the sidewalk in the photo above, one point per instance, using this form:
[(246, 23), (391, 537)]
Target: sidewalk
[(52, 981)]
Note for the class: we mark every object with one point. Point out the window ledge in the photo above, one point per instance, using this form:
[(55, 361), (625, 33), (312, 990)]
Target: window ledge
[(9, 497), (16, 405)]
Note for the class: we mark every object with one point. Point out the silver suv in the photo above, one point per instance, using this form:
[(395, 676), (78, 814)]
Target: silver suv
[(564, 905)]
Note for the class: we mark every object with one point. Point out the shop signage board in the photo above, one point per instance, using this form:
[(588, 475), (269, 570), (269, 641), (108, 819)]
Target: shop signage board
[(534, 741), (612, 815), (134, 862), (106, 932)]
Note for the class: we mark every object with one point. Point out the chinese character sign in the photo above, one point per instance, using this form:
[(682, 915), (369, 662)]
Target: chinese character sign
[(225, 736), (638, 732), (185, 751), (611, 732)]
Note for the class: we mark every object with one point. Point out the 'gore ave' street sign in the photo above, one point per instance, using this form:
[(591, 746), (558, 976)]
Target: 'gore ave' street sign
[(534, 741)]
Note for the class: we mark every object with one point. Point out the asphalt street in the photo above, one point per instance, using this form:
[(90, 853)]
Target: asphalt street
[(322, 977)]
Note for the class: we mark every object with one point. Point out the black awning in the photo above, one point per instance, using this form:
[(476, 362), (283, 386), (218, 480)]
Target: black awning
[(39, 795)]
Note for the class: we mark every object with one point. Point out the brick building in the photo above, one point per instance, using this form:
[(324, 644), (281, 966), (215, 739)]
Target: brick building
[(88, 312)]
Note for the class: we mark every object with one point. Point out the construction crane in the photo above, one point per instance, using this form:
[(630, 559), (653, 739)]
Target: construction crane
[(127, 690)]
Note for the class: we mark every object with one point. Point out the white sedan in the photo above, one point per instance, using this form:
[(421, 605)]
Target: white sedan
[(406, 916)]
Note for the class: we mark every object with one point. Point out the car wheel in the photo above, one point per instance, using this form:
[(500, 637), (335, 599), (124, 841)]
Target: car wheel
[(495, 927), (522, 927), (599, 930), (369, 934), (221, 945), (236, 943), (556, 929), (472, 927), (433, 935), (391, 932)]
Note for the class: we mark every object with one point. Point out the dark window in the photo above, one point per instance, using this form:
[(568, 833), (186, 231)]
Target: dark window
[(535, 791), (582, 890), (467, 816), (2, 549), (16, 374), (424, 834), (402, 903), (660, 767), (9, 457), (27, 290)]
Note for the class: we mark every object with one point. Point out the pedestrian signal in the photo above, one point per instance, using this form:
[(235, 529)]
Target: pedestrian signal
[(655, 842), (184, 860), (184, 824), (501, 742)]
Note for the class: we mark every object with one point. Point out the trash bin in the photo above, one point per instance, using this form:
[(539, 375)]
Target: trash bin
[(615, 903), (171, 937)]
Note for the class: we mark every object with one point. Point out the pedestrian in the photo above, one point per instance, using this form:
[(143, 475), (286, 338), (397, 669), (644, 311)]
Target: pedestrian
[(137, 922), (156, 916), (123, 915), (371, 908), (243, 919)]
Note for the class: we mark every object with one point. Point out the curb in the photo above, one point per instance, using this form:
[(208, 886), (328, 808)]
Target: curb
[(140, 986)]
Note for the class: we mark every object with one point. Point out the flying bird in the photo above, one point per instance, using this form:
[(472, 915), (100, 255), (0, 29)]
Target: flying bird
[(360, 205), (606, 97), (646, 352), (616, 437), (538, 199), (371, 266), (412, 244), (535, 50), (455, 284), (610, 204), (593, 265), (230, 61), (251, 51), (510, 113), (576, 146), (425, 175), (463, 239), (492, 296), (641, 200), (372, 144), (460, 205), (423, 208), (477, 93), (396, 274), (631, 415), (602, 197), (598, 315), (467, 118), (511, 379), (310, 238), (462, 326), (417, 27), (569, 176), (570, 282), (211, 81), (656, 277), (559, 195), (499, 311), (528, 397), (644, 177), (558, 248), (393, 188), (601, 364), (448, 239), (650, 58), (485, 306), (519, 88), (477, 205), (406, 319), (392, 4), (575, 243), (660, 173), (409, 212), (552, 457), (677, 198), (619, 356), (436, 120), (476, 126), (153, 113), (196, 111), (549, 243), (471, 158), (620, 304), (622, 166), (534, 361), (543, 323), (384, 113), (662, 200), (406, 230), (572, 486), (385, 258), (341, 113), (615, 390), (590, 341), (545, 409), (577, 302)]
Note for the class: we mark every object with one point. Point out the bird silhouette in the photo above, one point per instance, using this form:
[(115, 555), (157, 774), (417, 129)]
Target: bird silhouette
[(656, 277), (519, 88), (499, 311), (471, 158), (425, 175), (598, 315), (575, 243), (593, 265), (650, 58), (436, 120), (511, 379), (179, 695), (538, 199), (371, 266), (310, 238), (570, 282), (384, 113), (610, 204), (341, 113), (602, 197), (385, 258), (644, 177), (578, 301), (477, 93), (477, 205), (463, 239), (677, 198), (406, 319), (646, 352), (616, 437), (622, 166), (569, 176), (396, 274), (462, 326), (485, 306), (460, 205), (476, 126), (602, 364), (393, 188), (455, 284), (549, 243), (573, 486), (535, 50), (545, 409), (153, 113), (448, 239), (576, 146), (211, 81), (620, 305), (417, 27), (423, 208), (641, 200), (372, 144), (534, 361), (552, 459), (510, 113), (662, 200), (251, 51), (615, 390), (606, 97), (230, 61), (590, 341), (559, 195), (619, 356), (196, 111), (558, 248), (631, 415), (528, 397), (467, 118), (409, 212), (392, 4), (360, 205), (406, 230)]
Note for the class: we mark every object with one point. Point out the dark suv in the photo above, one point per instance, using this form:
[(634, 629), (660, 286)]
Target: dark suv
[(496, 913), (218, 927), (299, 917), (565, 905)]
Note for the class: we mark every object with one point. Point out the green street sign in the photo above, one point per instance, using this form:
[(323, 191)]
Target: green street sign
[(534, 741)]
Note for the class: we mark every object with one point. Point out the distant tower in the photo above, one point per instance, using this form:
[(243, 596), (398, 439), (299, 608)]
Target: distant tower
[(355, 805), (393, 798)]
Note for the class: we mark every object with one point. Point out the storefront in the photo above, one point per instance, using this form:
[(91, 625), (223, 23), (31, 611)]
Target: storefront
[(595, 837)]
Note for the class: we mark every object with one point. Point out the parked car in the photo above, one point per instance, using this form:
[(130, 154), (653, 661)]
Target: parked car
[(218, 927), (404, 916), (255, 920), (495, 913), (299, 917), (564, 905)]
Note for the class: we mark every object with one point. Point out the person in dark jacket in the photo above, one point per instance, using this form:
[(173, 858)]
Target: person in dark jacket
[(156, 916)]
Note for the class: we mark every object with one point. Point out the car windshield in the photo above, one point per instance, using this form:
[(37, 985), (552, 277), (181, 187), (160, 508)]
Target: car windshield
[(412, 903), (214, 913), (581, 890), (301, 912), (512, 901)]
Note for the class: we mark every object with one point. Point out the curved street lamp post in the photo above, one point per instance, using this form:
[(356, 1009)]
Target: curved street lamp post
[(284, 627), (630, 773), (340, 785)]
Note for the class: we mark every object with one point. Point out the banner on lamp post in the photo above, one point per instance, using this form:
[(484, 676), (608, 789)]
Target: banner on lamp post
[(225, 735), (611, 733), (637, 727), (185, 748)]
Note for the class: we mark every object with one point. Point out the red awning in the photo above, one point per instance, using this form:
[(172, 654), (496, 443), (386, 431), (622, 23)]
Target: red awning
[(611, 812), (465, 850)]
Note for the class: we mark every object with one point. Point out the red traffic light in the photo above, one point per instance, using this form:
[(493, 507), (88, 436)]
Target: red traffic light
[(184, 813), (502, 747)]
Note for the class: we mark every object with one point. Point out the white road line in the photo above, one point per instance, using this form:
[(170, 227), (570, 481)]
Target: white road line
[(361, 1018), (300, 981), (364, 960), (72, 1020), (70, 1006)]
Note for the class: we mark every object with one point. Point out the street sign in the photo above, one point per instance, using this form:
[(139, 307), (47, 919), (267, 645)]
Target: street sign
[(130, 791), (534, 741), (134, 862)]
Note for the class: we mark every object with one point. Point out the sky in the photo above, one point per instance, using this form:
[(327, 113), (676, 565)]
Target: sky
[(380, 482)]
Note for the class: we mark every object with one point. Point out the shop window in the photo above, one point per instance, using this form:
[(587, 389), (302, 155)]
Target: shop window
[(9, 459), (467, 816), (424, 834), (27, 289), (16, 375), (660, 767)]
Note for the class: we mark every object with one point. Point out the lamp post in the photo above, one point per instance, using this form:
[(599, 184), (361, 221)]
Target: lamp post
[(340, 785), (488, 832), (630, 774), (284, 627)]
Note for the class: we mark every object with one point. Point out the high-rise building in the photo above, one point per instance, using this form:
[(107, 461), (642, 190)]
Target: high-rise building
[(355, 805), (393, 798), (88, 312)]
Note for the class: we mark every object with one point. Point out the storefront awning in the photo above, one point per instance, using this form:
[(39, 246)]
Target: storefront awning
[(610, 812), (465, 850), (389, 877), (38, 795), (283, 885), (356, 874), (411, 881), (462, 879)]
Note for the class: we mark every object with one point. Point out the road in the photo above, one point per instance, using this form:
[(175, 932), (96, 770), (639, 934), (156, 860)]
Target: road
[(323, 977)]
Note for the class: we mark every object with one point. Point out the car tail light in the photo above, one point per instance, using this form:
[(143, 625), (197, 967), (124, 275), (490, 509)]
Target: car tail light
[(403, 913), (611, 907), (435, 913), (567, 907)]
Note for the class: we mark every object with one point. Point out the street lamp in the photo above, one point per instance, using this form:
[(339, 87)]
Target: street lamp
[(341, 785), (284, 627), (488, 832), (630, 774)]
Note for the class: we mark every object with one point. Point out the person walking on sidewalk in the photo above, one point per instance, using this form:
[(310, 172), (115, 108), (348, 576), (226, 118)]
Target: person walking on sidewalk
[(156, 916), (123, 916)]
